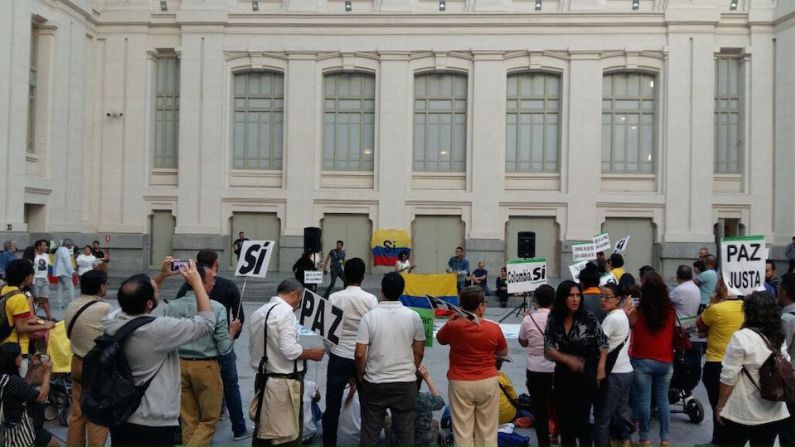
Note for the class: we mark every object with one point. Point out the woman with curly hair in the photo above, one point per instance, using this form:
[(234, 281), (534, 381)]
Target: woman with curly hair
[(574, 340), (744, 414), (652, 355)]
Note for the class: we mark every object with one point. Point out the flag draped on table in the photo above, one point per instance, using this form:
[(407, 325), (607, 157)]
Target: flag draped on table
[(442, 286), (387, 244)]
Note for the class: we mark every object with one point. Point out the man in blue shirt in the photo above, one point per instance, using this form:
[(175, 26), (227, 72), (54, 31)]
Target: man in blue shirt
[(707, 278), (9, 247), (336, 260), (459, 265)]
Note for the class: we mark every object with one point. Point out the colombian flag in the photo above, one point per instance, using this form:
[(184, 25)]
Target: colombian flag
[(442, 286), (387, 244)]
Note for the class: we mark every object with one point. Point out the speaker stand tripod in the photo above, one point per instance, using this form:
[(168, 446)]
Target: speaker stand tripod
[(518, 310)]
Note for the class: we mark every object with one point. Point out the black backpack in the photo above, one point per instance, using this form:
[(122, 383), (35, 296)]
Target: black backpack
[(109, 394), (6, 328)]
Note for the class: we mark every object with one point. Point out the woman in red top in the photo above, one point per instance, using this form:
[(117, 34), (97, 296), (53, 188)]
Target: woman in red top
[(652, 354), (473, 388)]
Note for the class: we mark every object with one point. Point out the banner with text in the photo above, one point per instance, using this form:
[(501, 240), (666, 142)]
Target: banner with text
[(601, 242), (254, 258), (525, 275), (743, 263), (387, 244), (319, 316), (583, 252)]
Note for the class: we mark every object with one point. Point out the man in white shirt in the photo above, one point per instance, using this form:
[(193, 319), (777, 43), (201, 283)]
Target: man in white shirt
[(389, 348), (354, 303), (41, 284), (686, 297), (283, 350)]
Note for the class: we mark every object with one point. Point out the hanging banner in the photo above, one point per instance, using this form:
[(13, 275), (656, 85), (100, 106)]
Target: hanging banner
[(387, 244), (575, 270), (525, 275), (601, 242), (583, 252), (621, 245), (743, 263), (418, 285)]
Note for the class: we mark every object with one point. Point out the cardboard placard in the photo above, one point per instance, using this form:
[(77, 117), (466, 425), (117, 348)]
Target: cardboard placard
[(601, 242), (575, 270), (319, 316), (427, 316), (743, 263), (313, 277), (525, 275), (621, 245), (254, 258), (583, 252)]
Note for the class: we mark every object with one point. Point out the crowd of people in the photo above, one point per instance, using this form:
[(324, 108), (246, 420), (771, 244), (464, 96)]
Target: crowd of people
[(600, 357)]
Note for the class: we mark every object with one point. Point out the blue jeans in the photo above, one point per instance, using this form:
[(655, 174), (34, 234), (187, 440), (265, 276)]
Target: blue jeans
[(651, 376), (232, 392)]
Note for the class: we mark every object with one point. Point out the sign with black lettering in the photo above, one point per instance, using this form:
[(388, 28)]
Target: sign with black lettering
[(313, 277), (621, 245), (254, 258), (743, 263), (601, 242), (525, 275), (319, 316), (583, 252)]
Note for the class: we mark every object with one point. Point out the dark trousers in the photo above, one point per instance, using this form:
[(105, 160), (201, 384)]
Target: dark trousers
[(334, 275), (232, 392), (573, 398), (710, 376), (401, 400), (786, 434), (128, 434), (791, 266), (539, 386), (339, 371), (735, 434)]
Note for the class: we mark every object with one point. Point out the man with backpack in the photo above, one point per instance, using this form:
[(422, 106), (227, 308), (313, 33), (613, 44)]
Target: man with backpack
[(151, 353), (83, 320), (16, 322), (786, 298)]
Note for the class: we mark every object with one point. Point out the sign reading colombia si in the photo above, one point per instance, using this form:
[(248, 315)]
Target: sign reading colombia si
[(525, 275), (743, 263)]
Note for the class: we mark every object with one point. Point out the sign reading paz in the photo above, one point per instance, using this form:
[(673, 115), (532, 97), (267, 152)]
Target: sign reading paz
[(743, 263), (254, 258), (320, 317), (601, 242), (525, 275), (583, 252)]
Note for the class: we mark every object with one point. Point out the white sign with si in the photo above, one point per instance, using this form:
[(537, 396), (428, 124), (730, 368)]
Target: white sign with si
[(254, 258), (621, 245)]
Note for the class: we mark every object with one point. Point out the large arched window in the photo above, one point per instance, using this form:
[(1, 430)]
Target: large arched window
[(440, 116), (348, 121), (532, 131), (629, 112), (258, 120)]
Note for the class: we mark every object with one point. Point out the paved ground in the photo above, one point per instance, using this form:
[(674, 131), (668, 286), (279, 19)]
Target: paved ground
[(257, 292)]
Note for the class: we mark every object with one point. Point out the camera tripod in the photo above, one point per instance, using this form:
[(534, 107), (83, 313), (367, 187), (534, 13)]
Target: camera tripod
[(518, 310)]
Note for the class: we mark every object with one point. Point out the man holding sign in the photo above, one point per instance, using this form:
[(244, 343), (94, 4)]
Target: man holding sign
[(283, 374)]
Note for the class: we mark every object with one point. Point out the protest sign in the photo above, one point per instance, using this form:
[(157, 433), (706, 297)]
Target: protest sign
[(621, 245), (525, 275), (583, 252), (607, 278), (313, 277), (427, 316), (436, 303), (319, 316), (743, 263), (254, 258), (601, 242), (575, 270)]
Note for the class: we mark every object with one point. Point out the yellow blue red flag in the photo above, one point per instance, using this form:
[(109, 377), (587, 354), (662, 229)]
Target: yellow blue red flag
[(387, 244), (442, 286)]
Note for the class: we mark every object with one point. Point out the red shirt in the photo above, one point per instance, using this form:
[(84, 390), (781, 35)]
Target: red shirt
[(649, 344), (472, 348)]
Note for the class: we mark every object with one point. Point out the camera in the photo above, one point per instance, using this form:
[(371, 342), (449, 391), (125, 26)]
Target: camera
[(177, 264)]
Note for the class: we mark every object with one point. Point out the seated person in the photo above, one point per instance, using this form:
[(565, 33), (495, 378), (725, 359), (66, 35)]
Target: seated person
[(480, 277), (509, 400), (426, 429), (502, 287)]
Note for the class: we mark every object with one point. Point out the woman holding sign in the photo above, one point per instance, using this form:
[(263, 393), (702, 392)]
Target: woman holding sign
[(574, 340)]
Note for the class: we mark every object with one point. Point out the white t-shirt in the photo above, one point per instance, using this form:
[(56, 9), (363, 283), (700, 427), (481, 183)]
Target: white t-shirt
[(41, 264), (354, 302), (616, 328), (686, 298), (85, 263), (390, 330)]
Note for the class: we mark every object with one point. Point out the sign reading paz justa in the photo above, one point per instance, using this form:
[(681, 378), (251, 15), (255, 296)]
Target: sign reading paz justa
[(320, 317), (254, 258), (313, 277), (525, 275), (601, 242), (583, 252), (743, 263)]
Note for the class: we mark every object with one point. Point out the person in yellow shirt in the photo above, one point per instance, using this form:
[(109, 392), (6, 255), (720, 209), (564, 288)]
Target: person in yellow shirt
[(19, 320), (509, 401), (616, 265), (719, 321)]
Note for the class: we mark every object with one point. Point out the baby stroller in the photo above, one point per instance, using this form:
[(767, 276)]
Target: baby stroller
[(59, 401), (687, 374)]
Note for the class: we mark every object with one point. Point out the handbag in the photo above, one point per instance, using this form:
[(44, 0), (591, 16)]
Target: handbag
[(20, 434), (612, 356), (681, 341)]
